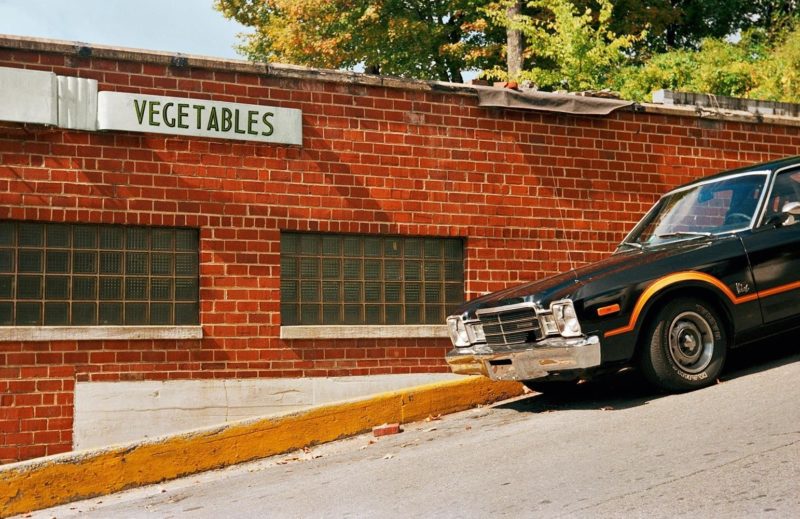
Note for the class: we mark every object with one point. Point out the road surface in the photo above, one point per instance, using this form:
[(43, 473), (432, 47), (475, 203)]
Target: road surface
[(615, 448)]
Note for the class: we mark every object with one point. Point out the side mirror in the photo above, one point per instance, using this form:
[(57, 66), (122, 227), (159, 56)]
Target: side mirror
[(791, 208), (790, 214)]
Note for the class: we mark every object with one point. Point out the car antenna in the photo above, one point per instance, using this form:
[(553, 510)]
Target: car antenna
[(557, 193)]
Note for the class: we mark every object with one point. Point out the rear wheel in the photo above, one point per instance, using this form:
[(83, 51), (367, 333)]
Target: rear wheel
[(686, 346)]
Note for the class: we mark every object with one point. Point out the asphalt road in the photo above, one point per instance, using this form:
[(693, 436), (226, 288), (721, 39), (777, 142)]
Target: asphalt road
[(614, 448)]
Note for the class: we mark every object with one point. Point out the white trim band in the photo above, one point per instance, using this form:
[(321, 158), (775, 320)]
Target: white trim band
[(407, 331), (97, 333)]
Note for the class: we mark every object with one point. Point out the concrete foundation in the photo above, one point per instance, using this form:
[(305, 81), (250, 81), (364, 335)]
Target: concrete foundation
[(107, 413)]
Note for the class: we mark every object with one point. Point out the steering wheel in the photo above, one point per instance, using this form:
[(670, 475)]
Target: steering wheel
[(737, 218)]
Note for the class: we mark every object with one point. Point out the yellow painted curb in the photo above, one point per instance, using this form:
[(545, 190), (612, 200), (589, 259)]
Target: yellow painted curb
[(54, 480)]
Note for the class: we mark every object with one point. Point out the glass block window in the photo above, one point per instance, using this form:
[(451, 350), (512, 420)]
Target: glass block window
[(91, 275), (347, 279)]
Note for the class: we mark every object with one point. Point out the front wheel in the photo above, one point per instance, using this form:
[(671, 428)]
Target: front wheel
[(686, 346)]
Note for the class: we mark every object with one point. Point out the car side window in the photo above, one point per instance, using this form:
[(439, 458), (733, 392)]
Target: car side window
[(785, 190)]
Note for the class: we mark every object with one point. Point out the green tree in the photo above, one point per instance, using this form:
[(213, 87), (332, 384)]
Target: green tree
[(422, 39), (760, 65), (567, 48), (719, 68), (673, 24), (778, 75), (774, 16)]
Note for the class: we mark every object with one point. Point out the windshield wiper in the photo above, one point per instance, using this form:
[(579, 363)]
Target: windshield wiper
[(633, 244), (685, 234)]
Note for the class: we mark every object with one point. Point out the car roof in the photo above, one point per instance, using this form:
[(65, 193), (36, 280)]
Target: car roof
[(771, 166)]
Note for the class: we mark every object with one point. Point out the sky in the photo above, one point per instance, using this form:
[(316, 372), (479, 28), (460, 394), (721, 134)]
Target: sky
[(180, 26)]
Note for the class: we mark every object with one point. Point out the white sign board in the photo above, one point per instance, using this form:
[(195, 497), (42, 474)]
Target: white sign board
[(198, 118), (28, 96)]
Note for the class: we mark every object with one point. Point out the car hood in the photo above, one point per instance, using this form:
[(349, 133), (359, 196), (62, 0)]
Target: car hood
[(585, 281)]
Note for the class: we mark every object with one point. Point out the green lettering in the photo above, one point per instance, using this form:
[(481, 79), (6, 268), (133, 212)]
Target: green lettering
[(213, 122), (169, 121), (182, 114), (252, 120), (140, 109), (236, 128), (226, 119), (199, 109), (154, 111), (267, 123)]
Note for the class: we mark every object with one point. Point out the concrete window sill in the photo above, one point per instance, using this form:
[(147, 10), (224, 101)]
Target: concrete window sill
[(411, 331), (98, 333)]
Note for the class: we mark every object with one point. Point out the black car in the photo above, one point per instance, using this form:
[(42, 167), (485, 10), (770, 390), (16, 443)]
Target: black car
[(713, 265)]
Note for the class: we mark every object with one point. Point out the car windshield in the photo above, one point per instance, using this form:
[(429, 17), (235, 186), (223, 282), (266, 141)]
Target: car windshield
[(700, 210)]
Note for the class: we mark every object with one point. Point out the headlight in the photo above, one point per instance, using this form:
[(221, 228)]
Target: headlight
[(458, 332), (566, 319)]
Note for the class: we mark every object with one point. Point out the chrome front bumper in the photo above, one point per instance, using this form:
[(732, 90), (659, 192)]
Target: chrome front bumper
[(528, 362)]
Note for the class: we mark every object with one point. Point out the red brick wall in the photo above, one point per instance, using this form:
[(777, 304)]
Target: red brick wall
[(36, 395), (530, 192)]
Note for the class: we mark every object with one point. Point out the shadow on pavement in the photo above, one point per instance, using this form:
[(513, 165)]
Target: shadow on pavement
[(628, 389), (760, 356), (620, 391)]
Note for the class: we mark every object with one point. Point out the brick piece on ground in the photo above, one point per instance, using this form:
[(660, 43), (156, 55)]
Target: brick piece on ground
[(386, 429)]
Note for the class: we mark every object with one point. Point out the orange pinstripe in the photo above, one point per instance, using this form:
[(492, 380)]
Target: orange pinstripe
[(678, 277)]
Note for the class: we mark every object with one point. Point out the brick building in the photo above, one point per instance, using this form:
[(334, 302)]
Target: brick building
[(192, 262)]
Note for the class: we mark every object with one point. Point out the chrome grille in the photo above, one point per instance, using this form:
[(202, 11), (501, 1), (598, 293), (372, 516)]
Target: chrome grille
[(509, 325)]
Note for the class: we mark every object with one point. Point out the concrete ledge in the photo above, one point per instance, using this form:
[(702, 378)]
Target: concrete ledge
[(354, 79), (739, 104), (409, 331), (53, 480), (180, 60), (91, 333)]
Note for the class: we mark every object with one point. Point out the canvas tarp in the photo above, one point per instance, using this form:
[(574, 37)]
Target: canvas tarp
[(549, 102)]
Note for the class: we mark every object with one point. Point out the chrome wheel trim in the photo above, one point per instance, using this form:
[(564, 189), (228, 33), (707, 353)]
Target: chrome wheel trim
[(691, 342)]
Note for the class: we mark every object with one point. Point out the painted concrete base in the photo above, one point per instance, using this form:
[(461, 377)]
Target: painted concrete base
[(108, 413), (43, 482)]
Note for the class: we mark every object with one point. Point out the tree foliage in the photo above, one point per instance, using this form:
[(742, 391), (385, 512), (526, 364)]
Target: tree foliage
[(778, 75), (567, 48), (761, 65), (747, 48), (678, 24), (773, 16), (422, 39)]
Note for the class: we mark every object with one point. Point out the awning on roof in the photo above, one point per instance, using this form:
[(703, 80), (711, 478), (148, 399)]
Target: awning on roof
[(549, 102)]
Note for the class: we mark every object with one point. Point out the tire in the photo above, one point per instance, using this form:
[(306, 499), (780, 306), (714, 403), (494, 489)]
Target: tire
[(685, 348)]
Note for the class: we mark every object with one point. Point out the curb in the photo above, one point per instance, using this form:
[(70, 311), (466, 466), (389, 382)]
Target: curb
[(53, 480)]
